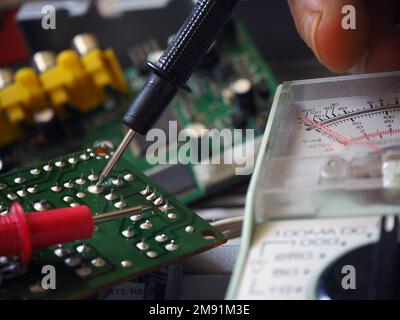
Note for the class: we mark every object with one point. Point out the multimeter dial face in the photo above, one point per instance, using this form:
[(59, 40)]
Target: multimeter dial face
[(335, 126)]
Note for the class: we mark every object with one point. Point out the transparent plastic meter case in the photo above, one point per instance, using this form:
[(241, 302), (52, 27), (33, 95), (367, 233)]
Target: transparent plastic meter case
[(327, 175), (333, 149)]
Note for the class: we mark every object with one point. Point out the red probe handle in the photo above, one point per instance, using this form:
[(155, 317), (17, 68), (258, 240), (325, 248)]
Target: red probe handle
[(15, 238), (21, 233)]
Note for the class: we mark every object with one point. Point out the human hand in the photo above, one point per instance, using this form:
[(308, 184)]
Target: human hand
[(373, 46)]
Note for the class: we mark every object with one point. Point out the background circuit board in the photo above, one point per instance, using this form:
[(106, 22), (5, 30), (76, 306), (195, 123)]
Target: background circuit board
[(211, 104)]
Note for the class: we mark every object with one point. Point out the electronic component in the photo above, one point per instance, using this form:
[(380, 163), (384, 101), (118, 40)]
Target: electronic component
[(325, 192), (244, 95), (47, 126), (6, 77), (43, 61), (5, 164), (245, 101), (66, 84), (102, 65), (153, 56), (21, 98), (145, 240), (239, 120), (161, 284), (263, 89), (143, 52), (167, 175)]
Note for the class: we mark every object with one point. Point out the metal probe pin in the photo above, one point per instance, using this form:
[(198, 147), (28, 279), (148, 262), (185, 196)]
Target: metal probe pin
[(119, 213), (117, 154)]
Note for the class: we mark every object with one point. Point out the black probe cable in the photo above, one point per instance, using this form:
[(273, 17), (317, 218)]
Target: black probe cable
[(173, 70)]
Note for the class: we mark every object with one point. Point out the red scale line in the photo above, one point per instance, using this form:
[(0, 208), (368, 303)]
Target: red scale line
[(338, 135)]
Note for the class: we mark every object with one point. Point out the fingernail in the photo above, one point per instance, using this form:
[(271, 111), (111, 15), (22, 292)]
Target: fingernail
[(310, 26)]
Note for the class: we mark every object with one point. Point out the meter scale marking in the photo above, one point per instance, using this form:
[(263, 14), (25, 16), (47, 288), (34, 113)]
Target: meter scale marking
[(355, 114), (359, 124), (379, 134)]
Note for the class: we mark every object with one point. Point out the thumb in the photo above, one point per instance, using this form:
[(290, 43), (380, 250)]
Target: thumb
[(319, 23)]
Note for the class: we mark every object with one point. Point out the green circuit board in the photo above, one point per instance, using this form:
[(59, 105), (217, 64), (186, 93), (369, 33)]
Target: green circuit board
[(211, 104), (120, 249)]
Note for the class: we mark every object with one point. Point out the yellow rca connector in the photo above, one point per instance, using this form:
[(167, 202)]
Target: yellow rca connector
[(8, 132), (83, 93), (53, 80), (66, 82), (20, 99), (82, 81), (102, 65)]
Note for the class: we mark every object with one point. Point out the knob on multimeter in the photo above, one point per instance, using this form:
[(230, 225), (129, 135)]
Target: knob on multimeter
[(368, 272)]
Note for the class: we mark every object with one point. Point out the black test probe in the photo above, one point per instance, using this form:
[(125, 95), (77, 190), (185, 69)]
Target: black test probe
[(173, 70)]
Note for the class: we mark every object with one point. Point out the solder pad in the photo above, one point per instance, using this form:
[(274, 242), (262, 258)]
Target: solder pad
[(120, 249)]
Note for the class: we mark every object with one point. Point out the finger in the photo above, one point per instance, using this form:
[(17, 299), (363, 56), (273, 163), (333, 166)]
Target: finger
[(383, 53), (319, 22)]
